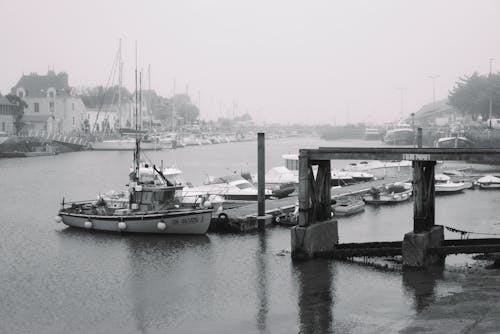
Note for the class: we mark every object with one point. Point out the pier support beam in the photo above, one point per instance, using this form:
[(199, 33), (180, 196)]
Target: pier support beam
[(316, 240), (317, 232), (416, 245), (261, 176), (425, 234)]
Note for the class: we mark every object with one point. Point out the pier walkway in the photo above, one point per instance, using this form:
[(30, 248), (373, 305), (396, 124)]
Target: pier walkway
[(244, 218)]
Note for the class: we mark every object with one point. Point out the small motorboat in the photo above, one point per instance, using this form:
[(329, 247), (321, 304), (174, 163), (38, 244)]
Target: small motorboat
[(444, 185), (489, 182), (348, 205), (392, 193)]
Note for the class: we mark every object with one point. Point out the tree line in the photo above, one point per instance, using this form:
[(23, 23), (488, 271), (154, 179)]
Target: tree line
[(471, 95)]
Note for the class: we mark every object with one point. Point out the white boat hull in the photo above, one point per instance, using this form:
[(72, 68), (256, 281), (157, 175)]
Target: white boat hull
[(387, 199), (173, 222), (449, 188), (489, 185)]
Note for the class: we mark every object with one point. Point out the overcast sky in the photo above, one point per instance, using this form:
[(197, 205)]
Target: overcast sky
[(313, 62)]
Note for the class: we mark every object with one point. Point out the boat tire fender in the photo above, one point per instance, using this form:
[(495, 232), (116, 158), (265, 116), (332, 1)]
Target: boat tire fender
[(223, 217)]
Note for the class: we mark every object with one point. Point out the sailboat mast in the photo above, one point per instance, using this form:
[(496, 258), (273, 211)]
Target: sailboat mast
[(140, 100), (120, 73)]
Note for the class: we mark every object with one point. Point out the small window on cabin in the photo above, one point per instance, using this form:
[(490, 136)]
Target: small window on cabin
[(146, 197), (244, 185)]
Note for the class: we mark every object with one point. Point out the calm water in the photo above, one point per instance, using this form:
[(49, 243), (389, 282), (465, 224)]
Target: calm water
[(60, 280)]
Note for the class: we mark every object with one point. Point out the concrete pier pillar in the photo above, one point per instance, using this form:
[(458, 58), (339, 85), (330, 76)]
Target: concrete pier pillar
[(314, 240), (416, 244)]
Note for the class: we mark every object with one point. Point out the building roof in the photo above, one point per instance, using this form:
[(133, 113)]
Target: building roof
[(36, 85), (440, 108), (5, 101)]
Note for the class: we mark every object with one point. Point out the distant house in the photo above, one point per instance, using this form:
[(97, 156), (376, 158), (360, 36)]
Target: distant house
[(52, 105), (7, 114)]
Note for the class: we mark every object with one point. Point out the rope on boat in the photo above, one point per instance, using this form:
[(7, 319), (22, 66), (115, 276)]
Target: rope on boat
[(465, 234)]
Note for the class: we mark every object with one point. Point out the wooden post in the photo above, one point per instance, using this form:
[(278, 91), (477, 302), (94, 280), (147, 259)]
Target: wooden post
[(261, 170), (419, 137), (323, 178), (304, 201), (423, 195)]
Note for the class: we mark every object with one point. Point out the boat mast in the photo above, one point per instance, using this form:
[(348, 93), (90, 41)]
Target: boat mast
[(136, 153), (149, 100)]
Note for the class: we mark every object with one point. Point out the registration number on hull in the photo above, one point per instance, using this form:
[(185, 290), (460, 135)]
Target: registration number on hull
[(190, 220)]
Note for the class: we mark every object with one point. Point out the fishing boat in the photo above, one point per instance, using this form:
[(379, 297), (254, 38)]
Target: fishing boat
[(348, 205), (401, 134), (392, 193), (489, 182), (444, 185), (150, 204)]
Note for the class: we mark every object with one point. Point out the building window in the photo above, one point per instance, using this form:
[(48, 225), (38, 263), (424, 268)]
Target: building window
[(37, 107), (51, 106), (73, 120), (51, 94), (3, 126), (73, 106)]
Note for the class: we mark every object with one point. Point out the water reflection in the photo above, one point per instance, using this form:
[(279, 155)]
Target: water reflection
[(165, 273), (316, 295), (421, 285), (262, 285)]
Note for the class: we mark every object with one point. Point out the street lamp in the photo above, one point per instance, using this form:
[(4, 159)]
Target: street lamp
[(433, 77), (491, 91), (413, 127), (401, 90)]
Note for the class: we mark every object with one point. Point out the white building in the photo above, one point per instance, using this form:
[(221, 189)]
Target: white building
[(99, 117), (7, 112), (53, 106)]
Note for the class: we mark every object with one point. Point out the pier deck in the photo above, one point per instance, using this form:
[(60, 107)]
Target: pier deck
[(244, 218)]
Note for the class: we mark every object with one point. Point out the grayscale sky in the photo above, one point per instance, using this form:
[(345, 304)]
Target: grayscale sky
[(314, 62)]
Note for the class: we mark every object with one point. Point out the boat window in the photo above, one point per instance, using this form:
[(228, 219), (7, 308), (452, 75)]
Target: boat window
[(144, 197), (244, 185)]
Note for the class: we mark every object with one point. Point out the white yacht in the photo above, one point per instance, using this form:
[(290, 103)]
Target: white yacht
[(444, 185)]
